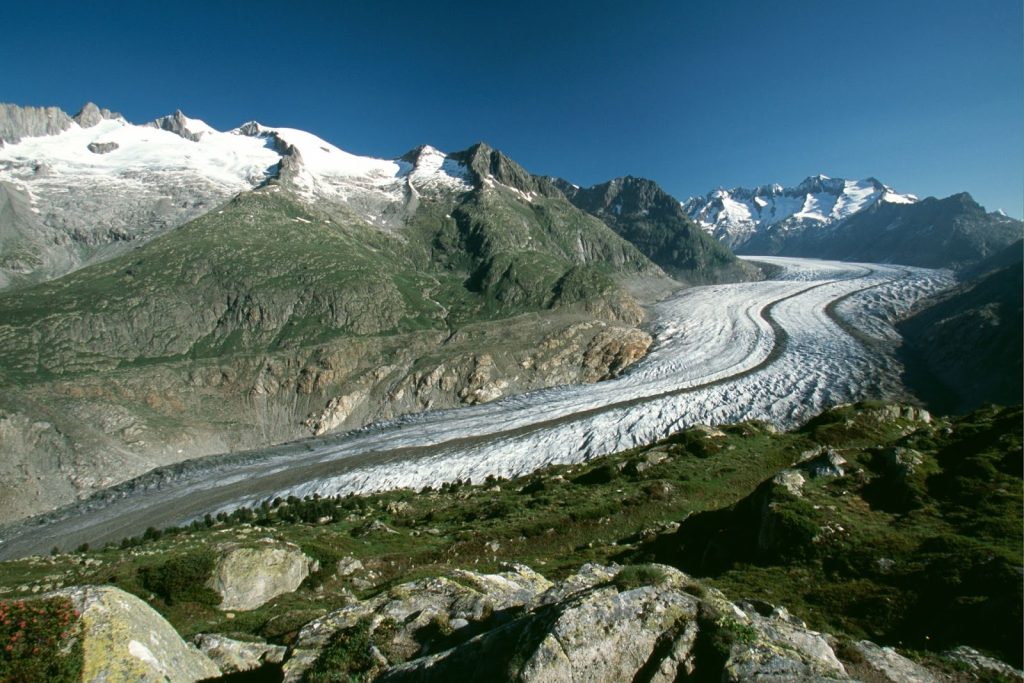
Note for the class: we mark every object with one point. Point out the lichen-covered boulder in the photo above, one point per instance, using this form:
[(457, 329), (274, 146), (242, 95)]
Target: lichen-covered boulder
[(463, 600), (594, 628), (124, 639), (771, 644), (248, 576)]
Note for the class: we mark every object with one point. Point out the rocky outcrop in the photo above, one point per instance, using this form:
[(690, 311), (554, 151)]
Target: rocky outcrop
[(124, 639), (102, 147), (247, 577), (23, 122), (179, 124), (649, 623), (232, 656), (977, 663), (90, 115)]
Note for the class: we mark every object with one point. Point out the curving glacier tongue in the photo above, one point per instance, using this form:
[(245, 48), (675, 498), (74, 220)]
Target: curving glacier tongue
[(779, 350)]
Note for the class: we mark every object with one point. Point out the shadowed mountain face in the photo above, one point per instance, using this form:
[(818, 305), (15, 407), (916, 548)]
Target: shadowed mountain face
[(640, 211), (964, 348)]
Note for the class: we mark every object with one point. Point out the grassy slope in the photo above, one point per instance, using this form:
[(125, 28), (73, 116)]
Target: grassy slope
[(951, 531)]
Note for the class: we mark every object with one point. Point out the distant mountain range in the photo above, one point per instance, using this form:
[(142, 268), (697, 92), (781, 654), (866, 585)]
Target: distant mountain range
[(853, 220)]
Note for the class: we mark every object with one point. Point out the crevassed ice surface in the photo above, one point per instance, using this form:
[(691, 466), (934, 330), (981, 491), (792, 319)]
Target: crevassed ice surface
[(716, 359)]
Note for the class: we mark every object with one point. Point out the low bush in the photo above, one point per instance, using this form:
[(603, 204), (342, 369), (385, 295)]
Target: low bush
[(39, 641), (182, 578)]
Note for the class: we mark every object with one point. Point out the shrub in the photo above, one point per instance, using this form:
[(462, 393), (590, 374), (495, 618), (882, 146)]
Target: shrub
[(347, 657), (635, 576), (182, 578), (38, 641)]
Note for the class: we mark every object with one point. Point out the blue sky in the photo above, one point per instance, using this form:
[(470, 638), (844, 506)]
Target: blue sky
[(925, 95)]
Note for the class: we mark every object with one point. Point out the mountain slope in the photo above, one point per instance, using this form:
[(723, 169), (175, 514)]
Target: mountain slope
[(964, 345), (640, 211), (342, 290), (855, 221)]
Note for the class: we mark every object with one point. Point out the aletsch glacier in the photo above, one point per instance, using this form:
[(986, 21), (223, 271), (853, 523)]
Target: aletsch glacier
[(717, 359), (774, 350)]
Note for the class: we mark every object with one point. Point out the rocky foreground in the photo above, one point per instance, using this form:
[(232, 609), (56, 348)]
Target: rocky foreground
[(602, 623)]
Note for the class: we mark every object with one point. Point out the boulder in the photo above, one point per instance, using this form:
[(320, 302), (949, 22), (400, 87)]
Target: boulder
[(463, 602), (232, 656), (771, 644), (248, 576), (102, 147), (885, 664), (348, 566), (825, 464), (598, 633), (124, 639), (791, 480)]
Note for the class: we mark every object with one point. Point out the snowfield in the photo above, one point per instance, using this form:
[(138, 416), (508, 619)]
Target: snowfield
[(781, 350)]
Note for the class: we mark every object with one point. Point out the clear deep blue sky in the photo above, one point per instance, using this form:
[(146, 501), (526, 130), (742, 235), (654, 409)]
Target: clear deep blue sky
[(926, 95)]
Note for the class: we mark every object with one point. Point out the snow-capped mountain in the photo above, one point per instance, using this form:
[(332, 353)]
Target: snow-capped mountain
[(79, 188), (854, 220), (738, 216)]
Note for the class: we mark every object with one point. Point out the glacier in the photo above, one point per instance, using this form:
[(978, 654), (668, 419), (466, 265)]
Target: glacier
[(817, 334)]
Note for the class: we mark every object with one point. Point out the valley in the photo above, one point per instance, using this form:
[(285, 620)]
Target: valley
[(778, 350)]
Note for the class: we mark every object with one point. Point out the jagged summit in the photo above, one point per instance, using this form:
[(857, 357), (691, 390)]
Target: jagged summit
[(183, 126)]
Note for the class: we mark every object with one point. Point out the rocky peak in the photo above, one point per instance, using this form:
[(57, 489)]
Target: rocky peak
[(90, 115), (821, 183), (415, 155), (627, 195), (181, 125), (255, 129), (488, 165)]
